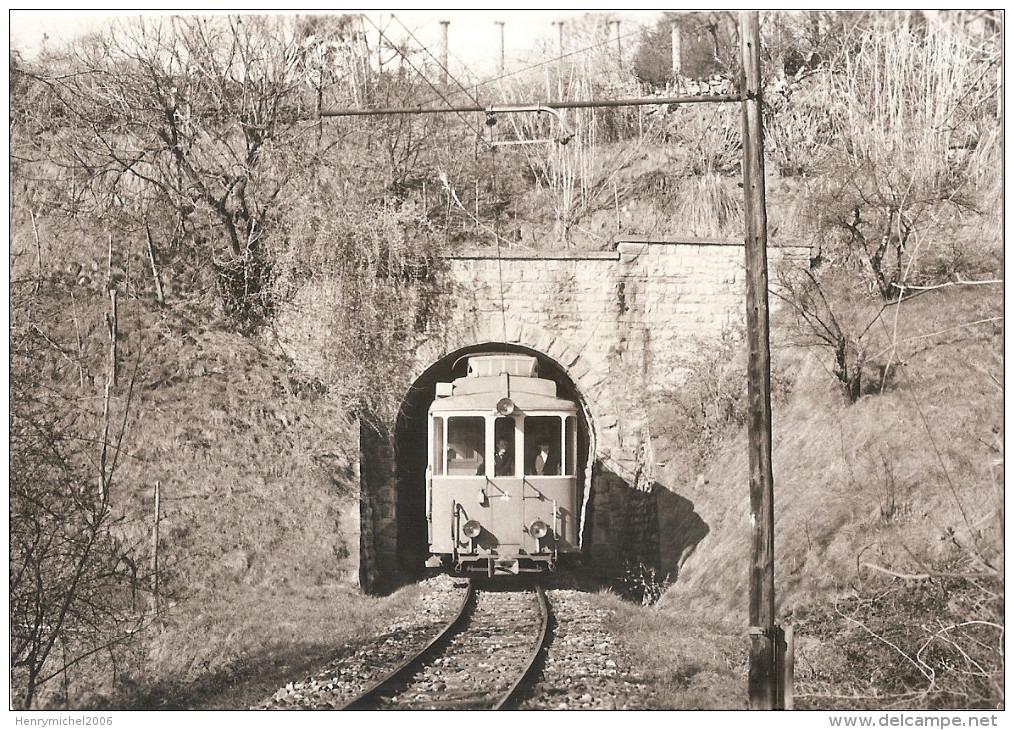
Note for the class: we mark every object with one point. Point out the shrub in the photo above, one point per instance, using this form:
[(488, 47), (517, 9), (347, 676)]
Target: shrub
[(643, 584), (710, 401), (934, 643)]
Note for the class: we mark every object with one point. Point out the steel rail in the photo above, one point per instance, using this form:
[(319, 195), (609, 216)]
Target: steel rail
[(530, 665), (365, 699), (369, 698), (546, 106)]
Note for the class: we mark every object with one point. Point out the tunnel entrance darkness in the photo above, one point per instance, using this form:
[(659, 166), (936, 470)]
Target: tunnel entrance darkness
[(410, 446)]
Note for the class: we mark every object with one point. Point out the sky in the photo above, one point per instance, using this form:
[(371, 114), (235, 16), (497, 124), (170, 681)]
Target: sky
[(473, 36)]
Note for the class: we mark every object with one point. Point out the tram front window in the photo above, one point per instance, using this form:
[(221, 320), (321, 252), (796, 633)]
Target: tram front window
[(466, 444), (542, 445), (504, 451)]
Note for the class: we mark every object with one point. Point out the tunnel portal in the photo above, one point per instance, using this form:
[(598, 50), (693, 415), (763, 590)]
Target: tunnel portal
[(613, 329), (410, 445)]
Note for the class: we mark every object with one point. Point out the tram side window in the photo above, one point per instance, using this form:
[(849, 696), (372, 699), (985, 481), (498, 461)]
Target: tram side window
[(466, 444), (437, 455), (504, 448), (542, 445), (571, 444)]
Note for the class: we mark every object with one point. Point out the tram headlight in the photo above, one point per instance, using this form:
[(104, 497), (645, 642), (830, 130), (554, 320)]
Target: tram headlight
[(538, 529), (505, 406), (471, 529)]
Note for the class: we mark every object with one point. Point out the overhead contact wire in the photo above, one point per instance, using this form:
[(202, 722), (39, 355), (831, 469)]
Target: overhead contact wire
[(551, 60), (492, 151), (429, 83), (496, 236)]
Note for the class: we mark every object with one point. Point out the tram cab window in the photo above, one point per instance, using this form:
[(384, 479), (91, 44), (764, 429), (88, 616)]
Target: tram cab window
[(437, 446), (570, 445), (504, 448), (543, 444), (466, 444)]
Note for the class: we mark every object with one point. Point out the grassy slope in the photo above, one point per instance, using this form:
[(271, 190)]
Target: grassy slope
[(889, 477), (259, 531), (908, 479)]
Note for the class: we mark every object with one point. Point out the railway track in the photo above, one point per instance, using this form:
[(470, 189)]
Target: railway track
[(480, 660)]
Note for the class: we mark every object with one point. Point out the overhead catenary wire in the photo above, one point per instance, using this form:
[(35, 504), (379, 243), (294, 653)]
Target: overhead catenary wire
[(552, 105), (492, 149), (446, 71), (540, 64), (555, 59), (421, 74)]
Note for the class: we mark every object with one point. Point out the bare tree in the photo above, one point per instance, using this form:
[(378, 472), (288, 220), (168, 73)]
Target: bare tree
[(911, 113), (910, 146), (207, 119), (360, 288), (71, 580)]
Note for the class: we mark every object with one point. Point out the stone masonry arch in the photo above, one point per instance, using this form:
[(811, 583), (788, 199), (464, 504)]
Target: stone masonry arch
[(406, 490)]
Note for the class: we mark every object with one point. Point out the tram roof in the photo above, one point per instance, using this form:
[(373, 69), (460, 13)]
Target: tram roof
[(481, 394)]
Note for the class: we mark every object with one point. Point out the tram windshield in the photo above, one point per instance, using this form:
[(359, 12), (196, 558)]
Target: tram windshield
[(543, 445), (459, 446), (504, 452), (466, 444)]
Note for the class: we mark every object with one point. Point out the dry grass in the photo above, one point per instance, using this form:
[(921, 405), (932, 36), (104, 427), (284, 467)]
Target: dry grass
[(904, 644), (259, 531), (692, 660), (907, 479), (935, 427), (253, 641)]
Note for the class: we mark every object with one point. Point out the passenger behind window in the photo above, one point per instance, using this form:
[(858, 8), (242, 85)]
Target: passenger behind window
[(544, 464), (503, 461)]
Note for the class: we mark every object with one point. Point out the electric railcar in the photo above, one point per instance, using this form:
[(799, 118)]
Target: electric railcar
[(501, 480)]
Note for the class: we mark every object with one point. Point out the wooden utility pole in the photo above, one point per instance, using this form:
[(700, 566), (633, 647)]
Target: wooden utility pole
[(677, 45), (503, 57), (444, 24), (763, 679)]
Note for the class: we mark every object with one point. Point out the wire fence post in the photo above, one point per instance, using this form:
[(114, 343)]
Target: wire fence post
[(38, 252), (159, 293), (154, 549), (113, 329)]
